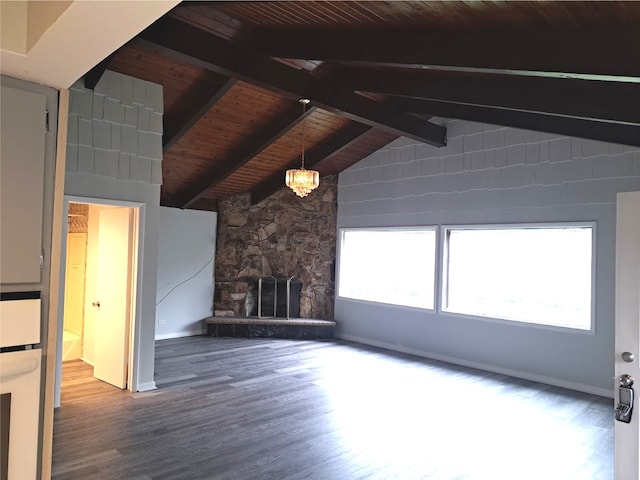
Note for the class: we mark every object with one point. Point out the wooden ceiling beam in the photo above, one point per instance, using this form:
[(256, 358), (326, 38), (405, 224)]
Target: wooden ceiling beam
[(167, 200), (609, 51), (335, 144), (575, 127), (93, 76), (208, 204), (197, 47), (197, 102), (249, 148), (588, 99)]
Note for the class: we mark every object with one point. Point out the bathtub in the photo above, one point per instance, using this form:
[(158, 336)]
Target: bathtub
[(71, 346)]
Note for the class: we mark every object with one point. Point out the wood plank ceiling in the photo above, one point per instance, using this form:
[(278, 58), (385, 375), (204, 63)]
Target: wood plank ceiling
[(233, 72)]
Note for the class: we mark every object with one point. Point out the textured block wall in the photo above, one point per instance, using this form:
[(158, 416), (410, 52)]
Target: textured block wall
[(116, 130), (114, 152), (486, 167), (493, 175)]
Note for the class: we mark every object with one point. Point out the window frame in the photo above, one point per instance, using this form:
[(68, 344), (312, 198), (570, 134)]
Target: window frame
[(436, 263), (443, 282)]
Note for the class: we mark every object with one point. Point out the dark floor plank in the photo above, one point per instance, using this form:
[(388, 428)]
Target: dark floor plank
[(249, 408)]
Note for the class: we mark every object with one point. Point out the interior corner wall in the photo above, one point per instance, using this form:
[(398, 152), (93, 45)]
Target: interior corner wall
[(186, 257), (493, 175), (114, 152)]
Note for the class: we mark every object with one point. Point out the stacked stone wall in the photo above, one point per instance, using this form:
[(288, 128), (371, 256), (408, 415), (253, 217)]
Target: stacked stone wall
[(282, 236)]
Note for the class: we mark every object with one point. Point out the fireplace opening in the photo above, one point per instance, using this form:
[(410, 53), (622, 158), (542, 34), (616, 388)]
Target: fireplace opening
[(271, 297)]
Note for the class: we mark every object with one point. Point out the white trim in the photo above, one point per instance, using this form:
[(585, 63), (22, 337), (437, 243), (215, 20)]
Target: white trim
[(519, 226), (146, 387), (444, 285), (416, 228), (580, 387), (58, 220), (191, 333), (135, 305), (627, 328), (506, 321), (59, 321), (110, 202), (135, 323)]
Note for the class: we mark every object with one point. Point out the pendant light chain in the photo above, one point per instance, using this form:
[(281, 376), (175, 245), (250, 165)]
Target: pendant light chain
[(304, 125)]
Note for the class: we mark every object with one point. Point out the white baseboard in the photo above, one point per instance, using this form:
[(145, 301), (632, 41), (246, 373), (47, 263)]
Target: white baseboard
[(166, 336), (580, 387), (146, 387), (87, 361)]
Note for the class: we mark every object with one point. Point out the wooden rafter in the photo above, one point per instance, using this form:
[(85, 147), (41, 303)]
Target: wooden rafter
[(203, 203), (587, 51), (198, 101), (179, 40), (575, 127), (328, 148), (588, 99), (93, 76), (248, 149)]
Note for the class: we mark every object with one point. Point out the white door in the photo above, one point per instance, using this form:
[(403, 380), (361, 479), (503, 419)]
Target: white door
[(628, 329), (113, 295)]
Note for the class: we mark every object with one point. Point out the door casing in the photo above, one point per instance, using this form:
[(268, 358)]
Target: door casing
[(137, 254)]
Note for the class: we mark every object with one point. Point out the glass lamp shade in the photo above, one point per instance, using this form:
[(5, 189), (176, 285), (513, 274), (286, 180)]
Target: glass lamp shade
[(302, 181)]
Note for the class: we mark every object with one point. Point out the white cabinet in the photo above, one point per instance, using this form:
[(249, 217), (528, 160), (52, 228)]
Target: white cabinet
[(22, 166)]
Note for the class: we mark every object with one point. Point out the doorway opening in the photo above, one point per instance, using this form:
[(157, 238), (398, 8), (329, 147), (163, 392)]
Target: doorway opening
[(97, 322)]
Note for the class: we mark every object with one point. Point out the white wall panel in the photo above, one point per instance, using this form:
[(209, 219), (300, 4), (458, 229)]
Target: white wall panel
[(186, 251)]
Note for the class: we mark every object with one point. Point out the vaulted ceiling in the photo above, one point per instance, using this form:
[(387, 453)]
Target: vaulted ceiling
[(233, 73)]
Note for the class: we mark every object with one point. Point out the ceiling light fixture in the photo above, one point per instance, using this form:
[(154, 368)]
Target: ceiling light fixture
[(301, 180)]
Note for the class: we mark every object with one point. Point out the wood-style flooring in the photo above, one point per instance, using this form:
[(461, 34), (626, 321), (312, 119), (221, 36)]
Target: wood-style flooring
[(248, 408)]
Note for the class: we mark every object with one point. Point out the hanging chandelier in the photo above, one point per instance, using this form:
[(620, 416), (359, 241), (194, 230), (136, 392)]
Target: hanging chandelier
[(301, 180)]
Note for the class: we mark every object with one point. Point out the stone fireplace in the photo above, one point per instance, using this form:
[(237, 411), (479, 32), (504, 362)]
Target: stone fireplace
[(281, 237)]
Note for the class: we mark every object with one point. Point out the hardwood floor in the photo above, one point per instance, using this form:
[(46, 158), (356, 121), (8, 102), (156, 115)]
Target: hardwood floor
[(280, 409)]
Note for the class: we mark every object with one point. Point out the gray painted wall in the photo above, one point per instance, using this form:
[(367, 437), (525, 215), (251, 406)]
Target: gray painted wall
[(490, 174), (186, 256), (114, 151)]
